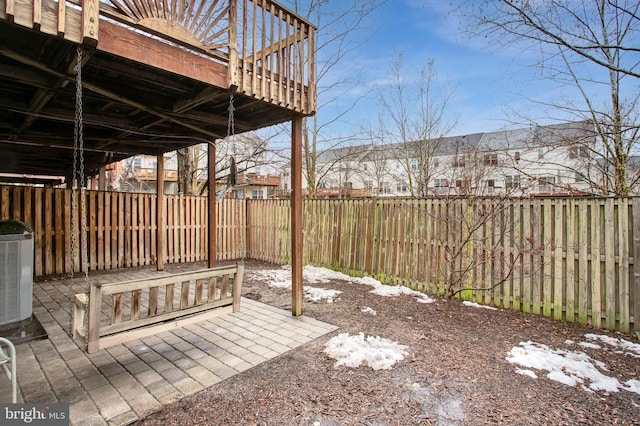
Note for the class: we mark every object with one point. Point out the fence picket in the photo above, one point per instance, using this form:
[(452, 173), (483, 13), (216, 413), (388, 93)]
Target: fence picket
[(610, 263)]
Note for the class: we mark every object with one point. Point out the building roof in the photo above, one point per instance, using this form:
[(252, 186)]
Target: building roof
[(524, 138)]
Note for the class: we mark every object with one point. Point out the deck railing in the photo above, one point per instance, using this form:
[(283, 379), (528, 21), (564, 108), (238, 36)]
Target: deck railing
[(275, 54)]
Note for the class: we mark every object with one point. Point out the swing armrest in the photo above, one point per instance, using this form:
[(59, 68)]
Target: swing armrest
[(80, 308)]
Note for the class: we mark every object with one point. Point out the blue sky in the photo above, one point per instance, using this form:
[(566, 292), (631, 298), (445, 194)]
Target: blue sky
[(491, 86)]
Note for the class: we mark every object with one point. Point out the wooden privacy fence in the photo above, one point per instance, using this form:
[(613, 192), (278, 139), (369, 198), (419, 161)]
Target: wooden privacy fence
[(121, 228), (565, 258)]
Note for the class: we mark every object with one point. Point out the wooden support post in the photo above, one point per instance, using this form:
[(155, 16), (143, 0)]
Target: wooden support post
[(212, 226), (160, 216), (102, 179), (296, 214), (68, 179)]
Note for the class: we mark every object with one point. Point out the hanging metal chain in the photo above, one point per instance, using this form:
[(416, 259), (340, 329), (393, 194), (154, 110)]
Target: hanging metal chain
[(233, 171), (79, 141), (231, 125)]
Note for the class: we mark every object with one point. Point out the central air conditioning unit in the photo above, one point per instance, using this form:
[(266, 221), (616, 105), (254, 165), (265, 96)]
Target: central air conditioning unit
[(16, 271)]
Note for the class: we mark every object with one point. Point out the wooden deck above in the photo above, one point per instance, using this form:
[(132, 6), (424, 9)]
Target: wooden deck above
[(157, 75)]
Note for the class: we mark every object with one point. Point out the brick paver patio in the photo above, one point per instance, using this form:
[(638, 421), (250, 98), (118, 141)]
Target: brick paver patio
[(121, 383)]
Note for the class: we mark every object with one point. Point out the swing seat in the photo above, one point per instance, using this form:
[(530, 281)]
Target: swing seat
[(115, 313)]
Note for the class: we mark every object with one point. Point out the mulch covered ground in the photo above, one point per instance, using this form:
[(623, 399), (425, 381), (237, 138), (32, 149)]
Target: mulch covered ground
[(455, 373)]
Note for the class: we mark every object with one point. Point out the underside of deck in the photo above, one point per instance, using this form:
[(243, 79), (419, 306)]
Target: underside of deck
[(152, 81)]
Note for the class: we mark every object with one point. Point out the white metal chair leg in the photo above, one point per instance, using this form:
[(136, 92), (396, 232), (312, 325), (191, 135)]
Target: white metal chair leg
[(4, 358)]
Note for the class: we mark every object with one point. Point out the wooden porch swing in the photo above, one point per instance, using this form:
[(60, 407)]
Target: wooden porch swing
[(139, 308)]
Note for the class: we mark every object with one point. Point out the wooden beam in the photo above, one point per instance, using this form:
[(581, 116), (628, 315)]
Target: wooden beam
[(232, 72), (90, 21), (62, 21), (160, 222), (212, 226), (123, 42), (296, 215)]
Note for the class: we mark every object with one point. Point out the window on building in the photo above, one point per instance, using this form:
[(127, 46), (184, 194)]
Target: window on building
[(368, 184), (440, 183), (414, 165), (517, 156), (512, 182), (547, 180), (436, 163), (579, 177), (578, 151), (384, 188), (491, 159), (540, 153), (546, 183), (490, 183), (402, 188), (458, 162), (463, 183), (256, 194)]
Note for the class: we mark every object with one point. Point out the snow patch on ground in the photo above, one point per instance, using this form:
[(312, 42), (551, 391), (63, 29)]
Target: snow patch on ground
[(529, 373), (573, 368), (281, 278), (373, 351), (314, 294), (368, 310), (477, 305), (631, 348), (589, 345)]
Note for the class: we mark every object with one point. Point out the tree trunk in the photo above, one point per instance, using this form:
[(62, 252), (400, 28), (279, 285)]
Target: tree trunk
[(186, 170)]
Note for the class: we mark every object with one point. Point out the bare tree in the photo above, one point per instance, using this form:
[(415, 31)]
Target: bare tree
[(588, 45), (187, 161), (341, 31), (248, 151), (415, 116)]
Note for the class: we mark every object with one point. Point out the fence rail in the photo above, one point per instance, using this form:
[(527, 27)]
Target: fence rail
[(567, 258)]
